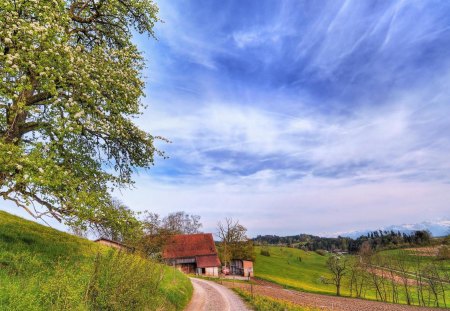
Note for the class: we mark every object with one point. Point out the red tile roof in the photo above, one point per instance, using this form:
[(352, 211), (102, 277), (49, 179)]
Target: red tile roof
[(189, 245), (207, 261)]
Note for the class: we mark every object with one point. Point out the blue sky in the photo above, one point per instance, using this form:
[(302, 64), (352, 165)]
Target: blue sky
[(299, 116)]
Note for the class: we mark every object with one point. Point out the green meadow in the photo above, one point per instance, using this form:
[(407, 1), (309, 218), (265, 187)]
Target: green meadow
[(45, 269), (283, 267)]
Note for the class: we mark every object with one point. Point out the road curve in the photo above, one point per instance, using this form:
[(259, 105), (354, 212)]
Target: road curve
[(210, 296)]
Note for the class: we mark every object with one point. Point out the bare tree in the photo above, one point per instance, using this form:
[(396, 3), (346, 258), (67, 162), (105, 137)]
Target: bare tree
[(338, 267), (182, 223), (151, 224), (358, 277), (233, 240), (403, 273), (157, 231)]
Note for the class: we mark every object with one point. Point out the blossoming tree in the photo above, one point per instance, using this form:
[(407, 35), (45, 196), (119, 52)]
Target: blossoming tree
[(70, 87)]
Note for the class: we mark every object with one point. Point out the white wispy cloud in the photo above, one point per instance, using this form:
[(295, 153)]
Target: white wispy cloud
[(393, 137)]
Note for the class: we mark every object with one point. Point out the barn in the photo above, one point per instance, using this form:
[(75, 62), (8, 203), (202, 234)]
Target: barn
[(193, 253)]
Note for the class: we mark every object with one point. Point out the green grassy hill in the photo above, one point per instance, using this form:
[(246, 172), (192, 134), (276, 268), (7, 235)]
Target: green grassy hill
[(284, 268), (45, 269)]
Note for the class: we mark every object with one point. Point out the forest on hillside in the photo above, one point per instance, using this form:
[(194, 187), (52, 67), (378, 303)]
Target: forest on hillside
[(377, 240)]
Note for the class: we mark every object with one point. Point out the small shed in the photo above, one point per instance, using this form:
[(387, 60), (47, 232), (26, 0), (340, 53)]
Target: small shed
[(241, 267), (114, 244), (192, 253)]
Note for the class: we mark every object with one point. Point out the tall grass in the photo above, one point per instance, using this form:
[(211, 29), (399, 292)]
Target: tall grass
[(119, 280)]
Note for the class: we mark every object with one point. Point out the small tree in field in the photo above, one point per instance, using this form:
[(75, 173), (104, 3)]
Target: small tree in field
[(338, 267)]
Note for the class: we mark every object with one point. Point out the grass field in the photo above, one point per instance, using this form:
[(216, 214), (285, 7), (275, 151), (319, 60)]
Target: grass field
[(284, 268), (45, 269)]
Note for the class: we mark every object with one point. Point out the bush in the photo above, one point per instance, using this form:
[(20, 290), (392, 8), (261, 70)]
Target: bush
[(265, 253), (443, 252), (321, 252)]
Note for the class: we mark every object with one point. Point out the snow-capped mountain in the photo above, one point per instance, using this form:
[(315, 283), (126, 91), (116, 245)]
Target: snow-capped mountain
[(437, 228)]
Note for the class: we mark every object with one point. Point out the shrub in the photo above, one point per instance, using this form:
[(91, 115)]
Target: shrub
[(443, 252), (321, 252), (265, 253)]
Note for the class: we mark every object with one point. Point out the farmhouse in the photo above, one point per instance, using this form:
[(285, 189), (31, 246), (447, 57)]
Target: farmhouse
[(193, 253)]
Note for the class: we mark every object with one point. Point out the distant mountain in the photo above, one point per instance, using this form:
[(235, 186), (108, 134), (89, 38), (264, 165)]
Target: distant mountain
[(437, 228)]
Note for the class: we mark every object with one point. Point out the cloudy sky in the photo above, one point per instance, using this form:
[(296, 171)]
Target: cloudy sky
[(299, 116)]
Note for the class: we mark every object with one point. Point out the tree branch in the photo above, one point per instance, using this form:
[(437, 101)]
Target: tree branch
[(49, 207), (32, 126), (38, 98)]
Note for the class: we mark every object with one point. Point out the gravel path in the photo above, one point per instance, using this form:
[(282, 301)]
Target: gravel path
[(324, 302), (210, 296)]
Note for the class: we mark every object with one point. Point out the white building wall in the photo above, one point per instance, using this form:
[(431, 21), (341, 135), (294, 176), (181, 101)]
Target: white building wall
[(213, 271)]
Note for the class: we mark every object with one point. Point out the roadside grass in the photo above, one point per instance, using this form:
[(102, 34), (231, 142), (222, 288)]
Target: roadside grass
[(45, 269), (176, 288), (264, 303), (284, 268)]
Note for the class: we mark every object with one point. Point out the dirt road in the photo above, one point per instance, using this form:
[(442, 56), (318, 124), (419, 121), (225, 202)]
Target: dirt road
[(210, 296)]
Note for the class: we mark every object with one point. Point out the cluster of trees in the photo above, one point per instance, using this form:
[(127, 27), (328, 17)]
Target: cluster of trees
[(376, 239), (418, 279), (234, 243), (390, 239), (147, 232)]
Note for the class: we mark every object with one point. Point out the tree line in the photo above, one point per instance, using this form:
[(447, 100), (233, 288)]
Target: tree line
[(376, 239), (148, 232)]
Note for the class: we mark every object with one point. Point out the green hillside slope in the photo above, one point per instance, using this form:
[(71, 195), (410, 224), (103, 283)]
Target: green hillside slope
[(284, 267), (45, 269)]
